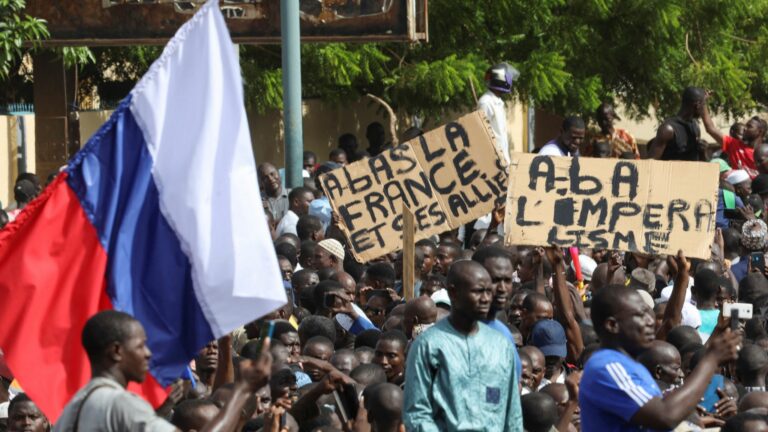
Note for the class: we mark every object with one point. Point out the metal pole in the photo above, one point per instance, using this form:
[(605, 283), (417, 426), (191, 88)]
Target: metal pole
[(293, 134)]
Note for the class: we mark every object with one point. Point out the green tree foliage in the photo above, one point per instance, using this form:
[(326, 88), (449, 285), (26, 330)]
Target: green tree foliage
[(16, 27), (572, 55)]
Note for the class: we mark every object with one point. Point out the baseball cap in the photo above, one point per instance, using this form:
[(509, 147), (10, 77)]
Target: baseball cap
[(549, 337)]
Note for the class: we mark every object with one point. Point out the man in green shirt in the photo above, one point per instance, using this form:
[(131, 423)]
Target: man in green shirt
[(460, 373)]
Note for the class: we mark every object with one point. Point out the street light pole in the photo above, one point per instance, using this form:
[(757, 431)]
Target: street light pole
[(292, 110)]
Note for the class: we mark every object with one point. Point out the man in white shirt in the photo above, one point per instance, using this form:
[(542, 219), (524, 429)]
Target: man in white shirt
[(499, 80), (570, 140), (298, 205)]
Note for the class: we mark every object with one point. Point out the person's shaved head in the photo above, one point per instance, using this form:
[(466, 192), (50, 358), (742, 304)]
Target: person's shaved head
[(600, 277), (558, 392), (663, 362), (347, 282), (682, 336), (419, 311), (469, 287), (538, 364), (194, 414), (753, 400), (384, 403), (539, 412)]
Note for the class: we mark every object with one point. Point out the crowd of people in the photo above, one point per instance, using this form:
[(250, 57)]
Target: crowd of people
[(496, 337)]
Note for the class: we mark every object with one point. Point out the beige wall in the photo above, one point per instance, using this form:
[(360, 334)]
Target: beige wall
[(323, 124), (9, 152)]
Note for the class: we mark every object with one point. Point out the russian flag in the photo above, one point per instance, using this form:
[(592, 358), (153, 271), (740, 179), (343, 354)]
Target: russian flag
[(159, 216)]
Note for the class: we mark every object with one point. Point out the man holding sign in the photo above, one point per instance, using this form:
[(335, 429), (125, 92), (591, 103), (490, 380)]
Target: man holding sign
[(607, 204)]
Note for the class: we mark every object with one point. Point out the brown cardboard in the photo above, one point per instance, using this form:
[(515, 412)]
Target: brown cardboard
[(447, 177), (539, 216)]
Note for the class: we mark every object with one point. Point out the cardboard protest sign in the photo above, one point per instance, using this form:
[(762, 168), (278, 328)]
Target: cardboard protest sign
[(447, 177), (646, 206)]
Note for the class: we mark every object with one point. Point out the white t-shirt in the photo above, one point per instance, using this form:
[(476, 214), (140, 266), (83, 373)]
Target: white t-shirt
[(552, 148), (494, 109), (288, 223)]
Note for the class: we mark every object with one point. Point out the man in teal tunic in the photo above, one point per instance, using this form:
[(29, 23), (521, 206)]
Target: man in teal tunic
[(460, 374)]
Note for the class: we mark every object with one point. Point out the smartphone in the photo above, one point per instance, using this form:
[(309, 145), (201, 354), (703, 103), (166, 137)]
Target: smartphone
[(343, 414), (757, 259), (265, 331), (347, 403), (739, 311)]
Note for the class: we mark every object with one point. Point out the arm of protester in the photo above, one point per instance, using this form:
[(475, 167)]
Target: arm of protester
[(709, 125), (323, 365), (360, 322), (272, 420), (418, 415), (497, 217), (572, 384), (536, 259), (673, 315), (254, 374), (564, 306), (667, 413), (225, 372), (726, 407), (306, 407), (361, 421), (664, 135), (747, 212), (174, 396)]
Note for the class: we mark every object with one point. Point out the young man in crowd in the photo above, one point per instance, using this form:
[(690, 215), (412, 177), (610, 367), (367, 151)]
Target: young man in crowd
[(679, 137), (438, 369), (116, 346), (740, 151), (298, 205), (274, 195), (617, 392), (619, 141), (570, 140), (499, 80)]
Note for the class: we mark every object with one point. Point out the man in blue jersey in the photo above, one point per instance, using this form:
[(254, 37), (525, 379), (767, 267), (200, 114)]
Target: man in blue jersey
[(619, 394)]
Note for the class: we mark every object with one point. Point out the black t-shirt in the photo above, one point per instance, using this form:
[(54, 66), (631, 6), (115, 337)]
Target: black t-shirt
[(685, 145)]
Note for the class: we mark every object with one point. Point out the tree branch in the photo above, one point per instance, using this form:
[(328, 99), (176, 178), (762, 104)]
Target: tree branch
[(392, 117)]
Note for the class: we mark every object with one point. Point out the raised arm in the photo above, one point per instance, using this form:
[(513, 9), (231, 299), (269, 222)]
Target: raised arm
[(709, 126), (668, 412), (673, 315), (564, 306), (225, 373), (253, 376)]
